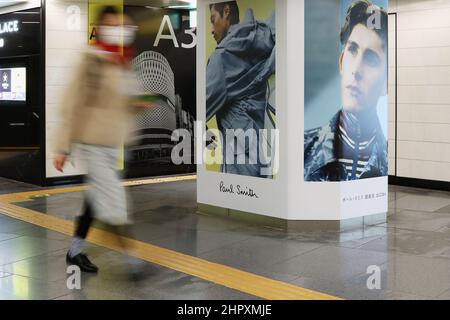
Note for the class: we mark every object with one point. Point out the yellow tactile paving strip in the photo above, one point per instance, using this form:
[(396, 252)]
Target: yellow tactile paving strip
[(26, 196), (219, 274)]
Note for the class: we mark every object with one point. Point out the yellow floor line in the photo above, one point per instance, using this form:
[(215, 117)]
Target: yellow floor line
[(25, 196), (222, 275)]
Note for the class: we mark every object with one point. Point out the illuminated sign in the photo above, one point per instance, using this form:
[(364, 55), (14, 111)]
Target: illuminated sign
[(9, 27)]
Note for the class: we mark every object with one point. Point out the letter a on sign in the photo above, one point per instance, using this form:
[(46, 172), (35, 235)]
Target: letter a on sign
[(166, 20)]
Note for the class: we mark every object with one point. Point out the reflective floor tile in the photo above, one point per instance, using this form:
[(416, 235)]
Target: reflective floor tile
[(195, 242), (423, 203), (46, 267), (444, 210), (417, 275), (348, 239), (258, 252), (7, 236), (412, 242), (26, 247), (16, 287), (418, 220), (331, 263), (445, 296)]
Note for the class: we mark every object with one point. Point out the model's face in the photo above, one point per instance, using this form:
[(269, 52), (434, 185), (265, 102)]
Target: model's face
[(220, 24), (363, 70)]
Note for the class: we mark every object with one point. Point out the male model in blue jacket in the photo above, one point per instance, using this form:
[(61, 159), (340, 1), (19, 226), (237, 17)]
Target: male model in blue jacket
[(236, 84)]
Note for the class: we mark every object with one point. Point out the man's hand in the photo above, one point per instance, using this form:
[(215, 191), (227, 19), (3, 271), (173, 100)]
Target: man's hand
[(59, 162)]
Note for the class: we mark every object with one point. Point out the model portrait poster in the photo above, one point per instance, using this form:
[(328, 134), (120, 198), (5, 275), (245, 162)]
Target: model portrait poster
[(346, 105), (240, 87)]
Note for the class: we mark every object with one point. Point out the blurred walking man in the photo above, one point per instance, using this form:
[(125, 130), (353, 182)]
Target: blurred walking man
[(96, 110)]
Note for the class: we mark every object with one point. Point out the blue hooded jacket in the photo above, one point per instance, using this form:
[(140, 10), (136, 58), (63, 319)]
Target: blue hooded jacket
[(237, 73), (236, 82)]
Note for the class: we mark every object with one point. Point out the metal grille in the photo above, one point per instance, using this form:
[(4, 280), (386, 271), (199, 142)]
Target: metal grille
[(161, 116), (155, 75)]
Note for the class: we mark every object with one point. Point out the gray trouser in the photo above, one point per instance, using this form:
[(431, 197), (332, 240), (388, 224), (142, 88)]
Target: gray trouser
[(105, 193)]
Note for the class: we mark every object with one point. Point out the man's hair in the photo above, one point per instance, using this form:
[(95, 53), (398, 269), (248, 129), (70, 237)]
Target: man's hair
[(105, 11), (359, 13), (234, 10)]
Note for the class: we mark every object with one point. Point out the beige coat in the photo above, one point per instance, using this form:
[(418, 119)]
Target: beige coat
[(95, 108)]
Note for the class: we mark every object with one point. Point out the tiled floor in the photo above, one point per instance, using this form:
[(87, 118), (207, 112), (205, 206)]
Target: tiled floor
[(411, 250), (10, 186)]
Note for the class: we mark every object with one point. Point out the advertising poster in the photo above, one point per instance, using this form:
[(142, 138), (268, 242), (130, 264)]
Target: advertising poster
[(165, 64), (345, 90), (13, 84), (240, 87)]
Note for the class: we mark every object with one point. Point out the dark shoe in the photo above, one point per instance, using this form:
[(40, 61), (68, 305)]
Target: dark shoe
[(81, 260)]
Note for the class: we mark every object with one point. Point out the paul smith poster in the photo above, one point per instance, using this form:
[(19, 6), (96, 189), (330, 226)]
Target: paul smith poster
[(240, 86)]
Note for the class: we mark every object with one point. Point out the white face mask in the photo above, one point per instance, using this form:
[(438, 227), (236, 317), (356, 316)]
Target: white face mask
[(117, 35), (129, 34)]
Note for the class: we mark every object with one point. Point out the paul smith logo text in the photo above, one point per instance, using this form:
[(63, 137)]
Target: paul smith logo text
[(238, 190)]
